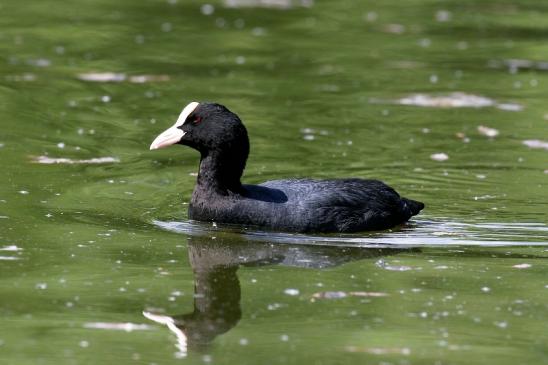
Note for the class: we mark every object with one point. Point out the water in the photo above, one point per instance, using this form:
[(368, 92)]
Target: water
[(99, 264)]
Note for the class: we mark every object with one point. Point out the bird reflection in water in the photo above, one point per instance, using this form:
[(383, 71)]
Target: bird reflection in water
[(217, 289)]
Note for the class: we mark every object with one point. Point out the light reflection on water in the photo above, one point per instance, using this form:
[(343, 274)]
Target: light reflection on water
[(419, 233)]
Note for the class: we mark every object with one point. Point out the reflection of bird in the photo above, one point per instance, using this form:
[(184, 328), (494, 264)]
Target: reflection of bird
[(303, 205), (216, 309), (182, 343), (217, 291)]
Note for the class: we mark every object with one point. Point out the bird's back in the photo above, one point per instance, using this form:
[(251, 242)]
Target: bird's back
[(340, 205)]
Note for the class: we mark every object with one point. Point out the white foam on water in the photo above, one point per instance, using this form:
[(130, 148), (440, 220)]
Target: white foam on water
[(451, 100), (121, 77), (487, 131), (276, 4), (46, 160), (535, 143), (12, 248), (102, 77)]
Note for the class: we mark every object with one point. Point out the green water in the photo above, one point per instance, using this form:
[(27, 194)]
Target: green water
[(99, 264)]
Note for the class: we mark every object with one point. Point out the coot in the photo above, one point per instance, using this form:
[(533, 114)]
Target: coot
[(297, 205)]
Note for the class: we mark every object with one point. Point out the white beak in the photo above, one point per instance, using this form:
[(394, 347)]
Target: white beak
[(174, 134), (167, 138)]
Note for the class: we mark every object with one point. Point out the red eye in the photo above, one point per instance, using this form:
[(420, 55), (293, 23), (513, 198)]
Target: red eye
[(197, 120)]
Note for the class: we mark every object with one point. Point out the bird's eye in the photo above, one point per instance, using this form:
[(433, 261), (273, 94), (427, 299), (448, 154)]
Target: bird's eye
[(197, 120)]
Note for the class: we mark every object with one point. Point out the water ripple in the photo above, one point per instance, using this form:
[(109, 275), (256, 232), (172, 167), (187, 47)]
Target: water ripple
[(420, 233)]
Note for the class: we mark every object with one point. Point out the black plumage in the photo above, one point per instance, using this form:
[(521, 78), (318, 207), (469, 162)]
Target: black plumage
[(297, 205)]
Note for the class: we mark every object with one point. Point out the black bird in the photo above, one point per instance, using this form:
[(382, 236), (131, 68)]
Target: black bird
[(297, 205)]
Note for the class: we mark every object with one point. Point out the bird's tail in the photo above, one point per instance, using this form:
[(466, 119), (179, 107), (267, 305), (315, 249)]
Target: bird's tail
[(413, 206)]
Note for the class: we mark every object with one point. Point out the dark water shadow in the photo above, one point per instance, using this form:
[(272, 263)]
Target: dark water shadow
[(217, 291)]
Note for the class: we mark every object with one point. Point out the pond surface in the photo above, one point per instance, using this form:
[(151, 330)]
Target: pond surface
[(445, 101)]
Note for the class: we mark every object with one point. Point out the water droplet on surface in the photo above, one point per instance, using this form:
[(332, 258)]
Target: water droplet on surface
[(439, 156), (488, 132), (207, 9), (371, 16), (239, 23), (39, 62), (462, 45), (139, 39), (291, 291), (501, 324), (273, 306), (220, 22), (425, 42), (258, 32), (443, 16), (394, 28)]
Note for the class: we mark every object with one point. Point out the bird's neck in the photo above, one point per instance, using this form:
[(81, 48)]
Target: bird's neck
[(220, 172)]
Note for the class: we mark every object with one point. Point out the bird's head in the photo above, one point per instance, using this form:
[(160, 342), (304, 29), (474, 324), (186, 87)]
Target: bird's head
[(206, 127)]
